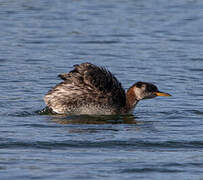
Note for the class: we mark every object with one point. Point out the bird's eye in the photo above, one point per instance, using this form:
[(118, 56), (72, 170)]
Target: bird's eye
[(152, 88)]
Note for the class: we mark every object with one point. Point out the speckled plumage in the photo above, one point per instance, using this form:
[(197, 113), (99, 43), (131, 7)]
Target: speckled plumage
[(87, 89)]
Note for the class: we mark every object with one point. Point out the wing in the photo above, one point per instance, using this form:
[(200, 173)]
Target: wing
[(86, 83)]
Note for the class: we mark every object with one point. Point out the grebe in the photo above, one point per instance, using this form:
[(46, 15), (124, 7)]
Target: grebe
[(89, 89)]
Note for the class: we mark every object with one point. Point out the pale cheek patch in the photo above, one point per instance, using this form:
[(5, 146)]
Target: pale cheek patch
[(137, 93)]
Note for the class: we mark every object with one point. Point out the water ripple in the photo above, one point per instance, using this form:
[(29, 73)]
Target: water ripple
[(150, 169), (98, 42), (147, 145)]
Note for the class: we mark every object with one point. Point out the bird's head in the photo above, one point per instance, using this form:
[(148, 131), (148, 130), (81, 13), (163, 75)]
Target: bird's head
[(144, 90)]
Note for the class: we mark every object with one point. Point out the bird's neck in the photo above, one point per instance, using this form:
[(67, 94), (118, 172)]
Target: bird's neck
[(131, 100)]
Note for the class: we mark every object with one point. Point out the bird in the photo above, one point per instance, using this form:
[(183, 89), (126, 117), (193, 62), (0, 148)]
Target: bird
[(93, 90)]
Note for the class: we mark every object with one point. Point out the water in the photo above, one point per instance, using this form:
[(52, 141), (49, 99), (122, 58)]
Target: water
[(155, 41)]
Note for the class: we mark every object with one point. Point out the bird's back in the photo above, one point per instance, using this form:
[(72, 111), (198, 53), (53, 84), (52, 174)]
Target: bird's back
[(87, 89)]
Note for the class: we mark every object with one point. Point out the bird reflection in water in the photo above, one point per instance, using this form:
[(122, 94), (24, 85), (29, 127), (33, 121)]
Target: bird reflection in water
[(90, 119), (104, 120)]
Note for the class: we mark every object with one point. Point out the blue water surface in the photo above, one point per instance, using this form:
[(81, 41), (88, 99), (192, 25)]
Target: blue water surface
[(158, 41)]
